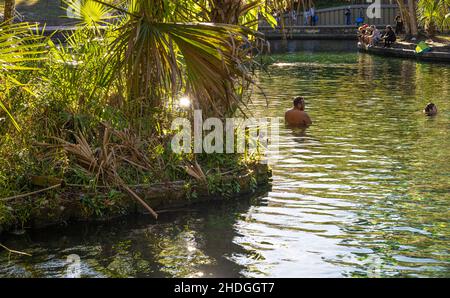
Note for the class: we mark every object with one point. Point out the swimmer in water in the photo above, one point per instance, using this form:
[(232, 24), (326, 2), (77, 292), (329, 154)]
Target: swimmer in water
[(297, 115), (430, 109)]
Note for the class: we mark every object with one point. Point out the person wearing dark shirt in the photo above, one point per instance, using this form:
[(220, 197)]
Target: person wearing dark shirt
[(398, 25), (348, 16), (389, 37)]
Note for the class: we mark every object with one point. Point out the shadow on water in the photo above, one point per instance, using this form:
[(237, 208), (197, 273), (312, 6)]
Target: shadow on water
[(191, 242)]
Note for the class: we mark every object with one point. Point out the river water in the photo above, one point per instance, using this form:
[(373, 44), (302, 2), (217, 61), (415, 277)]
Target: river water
[(363, 192)]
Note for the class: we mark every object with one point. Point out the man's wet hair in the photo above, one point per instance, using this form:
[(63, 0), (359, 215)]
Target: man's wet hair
[(429, 108), (298, 100)]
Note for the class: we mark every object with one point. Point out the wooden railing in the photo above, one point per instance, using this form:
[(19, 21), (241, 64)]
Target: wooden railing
[(335, 16)]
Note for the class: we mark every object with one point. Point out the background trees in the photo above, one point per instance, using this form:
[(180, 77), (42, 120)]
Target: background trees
[(434, 15), (430, 14)]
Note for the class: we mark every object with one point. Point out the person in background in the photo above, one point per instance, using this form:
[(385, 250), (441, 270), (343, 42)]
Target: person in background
[(360, 19), (375, 37), (348, 16), (276, 15), (307, 17), (398, 25), (430, 109), (297, 116), (389, 37), (313, 16), (294, 16), (363, 34)]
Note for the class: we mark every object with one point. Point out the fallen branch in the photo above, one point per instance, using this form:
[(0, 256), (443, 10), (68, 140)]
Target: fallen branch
[(30, 193), (15, 251), (143, 203)]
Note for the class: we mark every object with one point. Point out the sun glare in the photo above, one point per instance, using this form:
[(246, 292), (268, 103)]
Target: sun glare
[(185, 102)]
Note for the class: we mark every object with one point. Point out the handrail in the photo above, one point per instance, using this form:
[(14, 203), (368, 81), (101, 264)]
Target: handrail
[(354, 6)]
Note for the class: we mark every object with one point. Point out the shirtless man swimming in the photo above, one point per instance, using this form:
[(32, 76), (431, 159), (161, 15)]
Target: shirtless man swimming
[(297, 115)]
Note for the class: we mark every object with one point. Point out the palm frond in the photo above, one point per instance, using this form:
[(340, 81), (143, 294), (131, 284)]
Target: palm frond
[(90, 12), (20, 48)]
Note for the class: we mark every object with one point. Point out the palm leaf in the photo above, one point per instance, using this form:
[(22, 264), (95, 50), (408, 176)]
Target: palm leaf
[(19, 49)]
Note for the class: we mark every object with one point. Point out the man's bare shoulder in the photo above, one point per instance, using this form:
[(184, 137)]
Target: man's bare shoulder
[(297, 117)]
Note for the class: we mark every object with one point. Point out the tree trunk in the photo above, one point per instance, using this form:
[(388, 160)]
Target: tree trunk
[(405, 17), (10, 8), (413, 17), (225, 11)]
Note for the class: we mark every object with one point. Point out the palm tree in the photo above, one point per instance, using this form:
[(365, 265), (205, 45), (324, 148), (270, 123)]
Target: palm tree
[(159, 55), (225, 11), (9, 12)]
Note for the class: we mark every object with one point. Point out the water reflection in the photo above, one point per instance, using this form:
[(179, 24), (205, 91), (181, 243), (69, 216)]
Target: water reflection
[(363, 192), (188, 243), (369, 183)]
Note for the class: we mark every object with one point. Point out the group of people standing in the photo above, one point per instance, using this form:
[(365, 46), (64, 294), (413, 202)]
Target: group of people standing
[(311, 18)]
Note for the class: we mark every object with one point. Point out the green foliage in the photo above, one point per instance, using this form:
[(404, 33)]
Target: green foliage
[(159, 58), (191, 193), (225, 188), (100, 204), (90, 12), (123, 67), (434, 14), (7, 217), (19, 47)]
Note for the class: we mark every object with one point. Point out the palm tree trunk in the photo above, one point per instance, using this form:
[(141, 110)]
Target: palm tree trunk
[(413, 17), (10, 8), (225, 11)]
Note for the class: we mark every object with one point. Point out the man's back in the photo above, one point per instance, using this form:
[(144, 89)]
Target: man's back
[(296, 117)]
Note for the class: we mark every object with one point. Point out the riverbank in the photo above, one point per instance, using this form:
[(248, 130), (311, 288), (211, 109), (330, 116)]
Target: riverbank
[(439, 52), (70, 203)]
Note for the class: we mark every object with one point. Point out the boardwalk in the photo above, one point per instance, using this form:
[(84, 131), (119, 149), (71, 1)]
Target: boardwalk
[(331, 23)]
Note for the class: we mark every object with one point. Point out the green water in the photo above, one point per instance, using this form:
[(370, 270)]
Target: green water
[(363, 192)]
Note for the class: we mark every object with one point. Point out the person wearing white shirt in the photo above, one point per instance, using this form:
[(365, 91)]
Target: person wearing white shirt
[(313, 16), (307, 16)]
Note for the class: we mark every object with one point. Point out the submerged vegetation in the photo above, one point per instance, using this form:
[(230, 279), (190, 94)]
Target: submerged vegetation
[(97, 110)]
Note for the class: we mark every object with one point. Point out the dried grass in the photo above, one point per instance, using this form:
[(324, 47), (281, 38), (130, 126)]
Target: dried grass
[(103, 162)]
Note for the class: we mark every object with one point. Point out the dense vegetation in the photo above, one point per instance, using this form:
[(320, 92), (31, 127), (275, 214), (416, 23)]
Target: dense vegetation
[(97, 111)]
